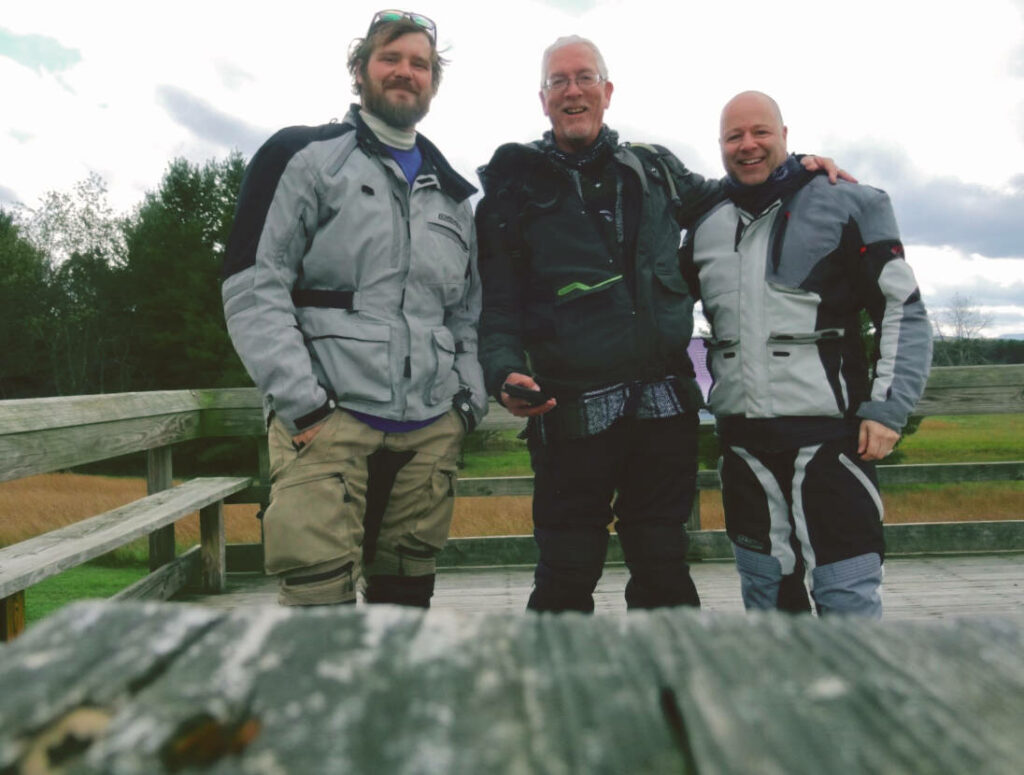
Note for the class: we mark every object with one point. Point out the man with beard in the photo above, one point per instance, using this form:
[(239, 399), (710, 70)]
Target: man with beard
[(785, 266), (351, 294), (585, 306)]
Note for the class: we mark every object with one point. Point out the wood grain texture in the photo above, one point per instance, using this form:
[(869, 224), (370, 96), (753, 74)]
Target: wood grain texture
[(28, 562), (167, 580), (214, 564), (12, 615), (380, 689)]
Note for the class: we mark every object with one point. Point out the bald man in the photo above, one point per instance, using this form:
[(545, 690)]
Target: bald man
[(784, 268)]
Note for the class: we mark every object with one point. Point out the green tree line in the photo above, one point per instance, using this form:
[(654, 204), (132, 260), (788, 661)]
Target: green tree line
[(95, 302)]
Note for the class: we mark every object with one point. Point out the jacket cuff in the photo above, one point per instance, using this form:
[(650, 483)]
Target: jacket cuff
[(876, 411), (464, 408)]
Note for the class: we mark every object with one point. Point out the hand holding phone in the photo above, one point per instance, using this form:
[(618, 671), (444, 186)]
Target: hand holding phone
[(532, 397)]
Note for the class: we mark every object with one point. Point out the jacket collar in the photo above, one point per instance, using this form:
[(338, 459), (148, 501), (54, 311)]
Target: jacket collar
[(451, 183)]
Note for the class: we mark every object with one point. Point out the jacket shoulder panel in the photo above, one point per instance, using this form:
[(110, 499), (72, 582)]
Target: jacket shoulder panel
[(259, 185)]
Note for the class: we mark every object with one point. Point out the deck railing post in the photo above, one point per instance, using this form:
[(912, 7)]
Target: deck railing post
[(12, 615), (211, 539), (159, 477), (693, 523)]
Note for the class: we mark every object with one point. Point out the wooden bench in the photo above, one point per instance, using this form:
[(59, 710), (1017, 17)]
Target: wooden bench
[(105, 687), (29, 562)]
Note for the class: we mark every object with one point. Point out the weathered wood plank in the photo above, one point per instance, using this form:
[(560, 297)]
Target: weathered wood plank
[(159, 477), (945, 537), (88, 654), (12, 616), (380, 689), (36, 414), (39, 452), (28, 562), (940, 473), (168, 580), (973, 390), (214, 561)]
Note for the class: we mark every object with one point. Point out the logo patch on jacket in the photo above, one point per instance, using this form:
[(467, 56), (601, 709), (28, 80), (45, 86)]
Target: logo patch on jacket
[(448, 219)]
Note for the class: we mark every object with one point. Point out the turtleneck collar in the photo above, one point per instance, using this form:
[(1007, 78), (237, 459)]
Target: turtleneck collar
[(403, 139)]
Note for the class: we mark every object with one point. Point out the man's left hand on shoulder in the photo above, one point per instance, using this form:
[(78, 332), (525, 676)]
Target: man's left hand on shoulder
[(875, 440), (814, 163)]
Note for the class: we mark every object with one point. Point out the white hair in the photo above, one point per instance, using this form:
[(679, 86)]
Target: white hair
[(571, 40)]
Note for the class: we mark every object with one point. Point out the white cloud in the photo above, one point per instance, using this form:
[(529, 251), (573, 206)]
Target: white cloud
[(940, 89)]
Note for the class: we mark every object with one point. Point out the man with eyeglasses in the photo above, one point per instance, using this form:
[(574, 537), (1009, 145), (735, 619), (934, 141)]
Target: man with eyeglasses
[(584, 305), (351, 293)]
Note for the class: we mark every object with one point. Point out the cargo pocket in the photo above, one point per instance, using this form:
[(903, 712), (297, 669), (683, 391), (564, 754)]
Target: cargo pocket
[(311, 519), (445, 381), (354, 355), (802, 385), (432, 528), (449, 269)]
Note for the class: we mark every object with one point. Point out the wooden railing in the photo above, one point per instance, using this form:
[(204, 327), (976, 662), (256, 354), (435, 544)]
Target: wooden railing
[(50, 434)]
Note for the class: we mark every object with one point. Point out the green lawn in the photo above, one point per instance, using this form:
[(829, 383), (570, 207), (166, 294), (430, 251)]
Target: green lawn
[(982, 438), (85, 581)]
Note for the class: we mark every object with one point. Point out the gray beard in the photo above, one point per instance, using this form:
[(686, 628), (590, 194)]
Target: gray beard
[(397, 116)]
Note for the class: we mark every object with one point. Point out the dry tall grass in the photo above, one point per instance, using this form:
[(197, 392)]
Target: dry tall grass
[(35, 505)]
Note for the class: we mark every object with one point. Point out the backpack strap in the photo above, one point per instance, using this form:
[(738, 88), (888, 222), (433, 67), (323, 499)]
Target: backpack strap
[(660, 155)]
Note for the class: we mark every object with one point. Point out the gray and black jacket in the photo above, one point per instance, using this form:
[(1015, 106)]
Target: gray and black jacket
[(343, 285), (783, 293)]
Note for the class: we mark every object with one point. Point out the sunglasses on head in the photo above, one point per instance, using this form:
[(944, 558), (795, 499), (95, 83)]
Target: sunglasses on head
[(383, 17)]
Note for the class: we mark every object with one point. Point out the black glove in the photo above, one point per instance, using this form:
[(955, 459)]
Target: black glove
[(462, 406)]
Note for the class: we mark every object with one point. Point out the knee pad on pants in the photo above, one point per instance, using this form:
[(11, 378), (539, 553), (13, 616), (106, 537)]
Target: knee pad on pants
[(760, 577), (851, 586), (324, 584)]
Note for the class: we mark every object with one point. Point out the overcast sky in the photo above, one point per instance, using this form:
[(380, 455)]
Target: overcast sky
[(922, 99)]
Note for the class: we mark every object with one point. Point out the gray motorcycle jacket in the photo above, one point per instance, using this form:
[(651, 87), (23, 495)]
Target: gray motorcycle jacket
[(783, 293), (345, 286)]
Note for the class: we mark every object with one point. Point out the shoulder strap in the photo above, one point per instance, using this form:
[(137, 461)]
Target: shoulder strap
[(659, 153)]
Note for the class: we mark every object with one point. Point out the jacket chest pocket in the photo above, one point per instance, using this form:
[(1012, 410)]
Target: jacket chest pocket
[(593, 322), (446, 268)]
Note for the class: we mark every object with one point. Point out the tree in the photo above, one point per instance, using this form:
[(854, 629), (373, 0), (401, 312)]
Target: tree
[(80, 222), (958, 330), (176, 243), (90, 324), (23, 314)]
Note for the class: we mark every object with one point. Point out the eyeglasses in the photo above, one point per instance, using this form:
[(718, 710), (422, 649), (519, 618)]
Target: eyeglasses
[(586, 80), (383, 17)]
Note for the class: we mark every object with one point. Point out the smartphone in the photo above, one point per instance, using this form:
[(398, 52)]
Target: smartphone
[(532, 397)]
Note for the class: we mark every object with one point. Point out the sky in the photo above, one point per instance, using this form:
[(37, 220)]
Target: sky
[(922, 99)]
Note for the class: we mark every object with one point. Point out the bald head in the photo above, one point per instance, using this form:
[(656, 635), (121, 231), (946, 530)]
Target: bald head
[(752, 137), (747, 100)]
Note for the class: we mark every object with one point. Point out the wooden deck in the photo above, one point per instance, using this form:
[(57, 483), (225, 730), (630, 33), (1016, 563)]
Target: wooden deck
[(108, 687), (927, 587)]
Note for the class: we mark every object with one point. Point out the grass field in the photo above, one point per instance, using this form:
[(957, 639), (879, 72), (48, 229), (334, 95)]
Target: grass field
[(38, 504)]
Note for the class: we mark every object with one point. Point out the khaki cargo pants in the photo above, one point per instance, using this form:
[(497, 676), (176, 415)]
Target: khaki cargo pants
[(357, 502)]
